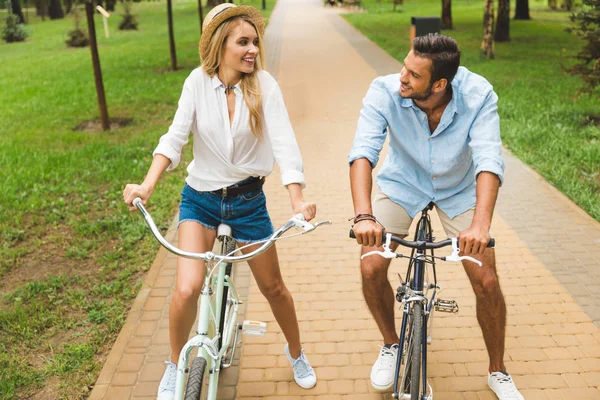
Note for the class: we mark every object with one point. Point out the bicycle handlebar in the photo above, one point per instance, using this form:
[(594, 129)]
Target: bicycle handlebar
[(296, 221), (421, 245)]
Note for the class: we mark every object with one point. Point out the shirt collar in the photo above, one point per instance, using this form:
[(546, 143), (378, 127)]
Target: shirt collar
[(216, 83)]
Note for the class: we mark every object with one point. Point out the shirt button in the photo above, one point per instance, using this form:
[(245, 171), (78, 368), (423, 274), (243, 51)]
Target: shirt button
[(429, 138), (434, 178), (432, 162), (435, 190)]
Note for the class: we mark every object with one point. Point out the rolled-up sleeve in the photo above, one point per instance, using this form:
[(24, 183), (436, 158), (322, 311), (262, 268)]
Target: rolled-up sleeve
[(282, 139), (484, 139), (172, 142), (372, 126)]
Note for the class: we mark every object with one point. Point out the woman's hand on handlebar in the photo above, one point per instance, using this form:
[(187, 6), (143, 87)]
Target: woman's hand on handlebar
[(309, 210), (368, 233), (132, 191)]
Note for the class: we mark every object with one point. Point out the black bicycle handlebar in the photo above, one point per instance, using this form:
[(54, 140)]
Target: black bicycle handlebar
[(422, 244)]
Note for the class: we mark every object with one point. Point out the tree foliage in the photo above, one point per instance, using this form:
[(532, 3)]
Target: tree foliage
[(587, 27)]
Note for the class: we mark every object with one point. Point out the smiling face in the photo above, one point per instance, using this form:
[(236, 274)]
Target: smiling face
[(241, 49), (415, 78)]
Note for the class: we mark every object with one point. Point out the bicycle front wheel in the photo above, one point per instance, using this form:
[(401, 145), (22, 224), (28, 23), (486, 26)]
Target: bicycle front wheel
[(195, 382), (411, 374), (415, 351)]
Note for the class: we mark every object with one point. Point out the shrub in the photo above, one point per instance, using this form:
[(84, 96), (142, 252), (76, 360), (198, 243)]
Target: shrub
[(129, 21), (77, 37), (587, 27), (13, 31)]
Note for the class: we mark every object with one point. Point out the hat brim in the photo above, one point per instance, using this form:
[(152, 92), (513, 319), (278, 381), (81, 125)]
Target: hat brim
[(208, 31)]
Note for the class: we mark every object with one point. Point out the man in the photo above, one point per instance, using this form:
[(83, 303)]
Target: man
[(444, 148)]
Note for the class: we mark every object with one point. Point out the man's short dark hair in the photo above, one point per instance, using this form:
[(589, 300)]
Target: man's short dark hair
[(442, 51)]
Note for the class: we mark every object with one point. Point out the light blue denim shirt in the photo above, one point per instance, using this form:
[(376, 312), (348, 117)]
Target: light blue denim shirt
[(421, 166)]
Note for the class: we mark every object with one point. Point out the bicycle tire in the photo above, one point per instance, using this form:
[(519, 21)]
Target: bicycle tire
[(415, 351), (193, 390), (227, 247)]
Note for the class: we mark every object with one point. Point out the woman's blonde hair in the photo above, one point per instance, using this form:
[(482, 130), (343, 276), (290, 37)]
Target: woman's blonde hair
[(249, 83)]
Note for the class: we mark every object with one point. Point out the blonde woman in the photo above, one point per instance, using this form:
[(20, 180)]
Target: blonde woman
[(240, 124)]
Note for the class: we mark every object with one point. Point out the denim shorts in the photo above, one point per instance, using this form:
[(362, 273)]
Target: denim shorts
[(246, 213)]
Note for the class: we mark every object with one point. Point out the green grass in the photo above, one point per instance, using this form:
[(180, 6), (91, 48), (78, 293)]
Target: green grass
[(541, 114), (72, 256)]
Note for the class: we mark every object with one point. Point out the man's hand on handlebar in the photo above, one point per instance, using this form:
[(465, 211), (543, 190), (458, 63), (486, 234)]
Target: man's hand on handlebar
[(474, 240), (368, 233)]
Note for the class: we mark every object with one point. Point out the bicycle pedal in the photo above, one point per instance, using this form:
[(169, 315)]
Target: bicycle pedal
[(447, 306), (254, 328)]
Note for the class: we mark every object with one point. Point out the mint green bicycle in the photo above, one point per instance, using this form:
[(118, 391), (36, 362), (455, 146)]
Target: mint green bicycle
[(217, 335)]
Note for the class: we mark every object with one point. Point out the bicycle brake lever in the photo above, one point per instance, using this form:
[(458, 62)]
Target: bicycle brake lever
[(455, 257), (300, 222), (386, 253)]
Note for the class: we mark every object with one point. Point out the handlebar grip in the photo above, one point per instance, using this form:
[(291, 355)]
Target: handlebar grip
[(136, 201), (492, 243), (352, 235)]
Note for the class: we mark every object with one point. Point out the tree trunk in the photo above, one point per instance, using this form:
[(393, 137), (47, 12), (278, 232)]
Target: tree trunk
[(502, 33), (171, 36), (68, 6), (522, 9), (552, 4), (200, 14), (213, 3), (41, 9), (110, 5), (446, 14), (15, 6), (487, 45), (55, 10)]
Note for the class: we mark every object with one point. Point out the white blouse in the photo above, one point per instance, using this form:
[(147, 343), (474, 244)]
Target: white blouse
[(225, 154)]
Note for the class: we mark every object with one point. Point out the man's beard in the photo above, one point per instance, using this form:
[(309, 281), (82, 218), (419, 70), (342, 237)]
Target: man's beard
[(421, 96)]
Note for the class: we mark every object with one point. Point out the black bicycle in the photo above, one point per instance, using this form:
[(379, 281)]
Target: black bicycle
[(418, 299)]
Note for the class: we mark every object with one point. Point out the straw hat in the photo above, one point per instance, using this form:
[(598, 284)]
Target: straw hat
[(220, 14)]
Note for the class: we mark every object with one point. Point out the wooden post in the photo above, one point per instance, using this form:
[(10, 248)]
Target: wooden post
[(171, 37), (89, 11), (264, 4)]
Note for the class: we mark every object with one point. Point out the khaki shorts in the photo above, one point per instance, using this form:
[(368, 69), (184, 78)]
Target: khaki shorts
[(396, 220)]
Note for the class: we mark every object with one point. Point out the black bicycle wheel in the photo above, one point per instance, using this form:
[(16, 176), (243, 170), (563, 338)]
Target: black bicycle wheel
[(227, 246), (193, 390), (414, 352)]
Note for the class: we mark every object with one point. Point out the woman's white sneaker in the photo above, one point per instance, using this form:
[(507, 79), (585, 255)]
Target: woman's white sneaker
[(502, 384), (303, 373), (166, 389), (382, 373)]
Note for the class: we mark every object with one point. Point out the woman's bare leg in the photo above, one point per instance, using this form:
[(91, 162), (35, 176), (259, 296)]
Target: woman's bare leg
[(190, 278)]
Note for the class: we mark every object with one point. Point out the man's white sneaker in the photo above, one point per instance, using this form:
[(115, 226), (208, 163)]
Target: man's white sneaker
[(166, 389), (502, 384), (303, 373), (382, 373)]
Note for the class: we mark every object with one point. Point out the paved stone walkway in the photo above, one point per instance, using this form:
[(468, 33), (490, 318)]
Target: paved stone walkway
[(548, 260)]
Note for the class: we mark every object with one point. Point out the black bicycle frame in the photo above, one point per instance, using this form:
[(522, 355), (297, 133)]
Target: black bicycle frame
[(423, 234)]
